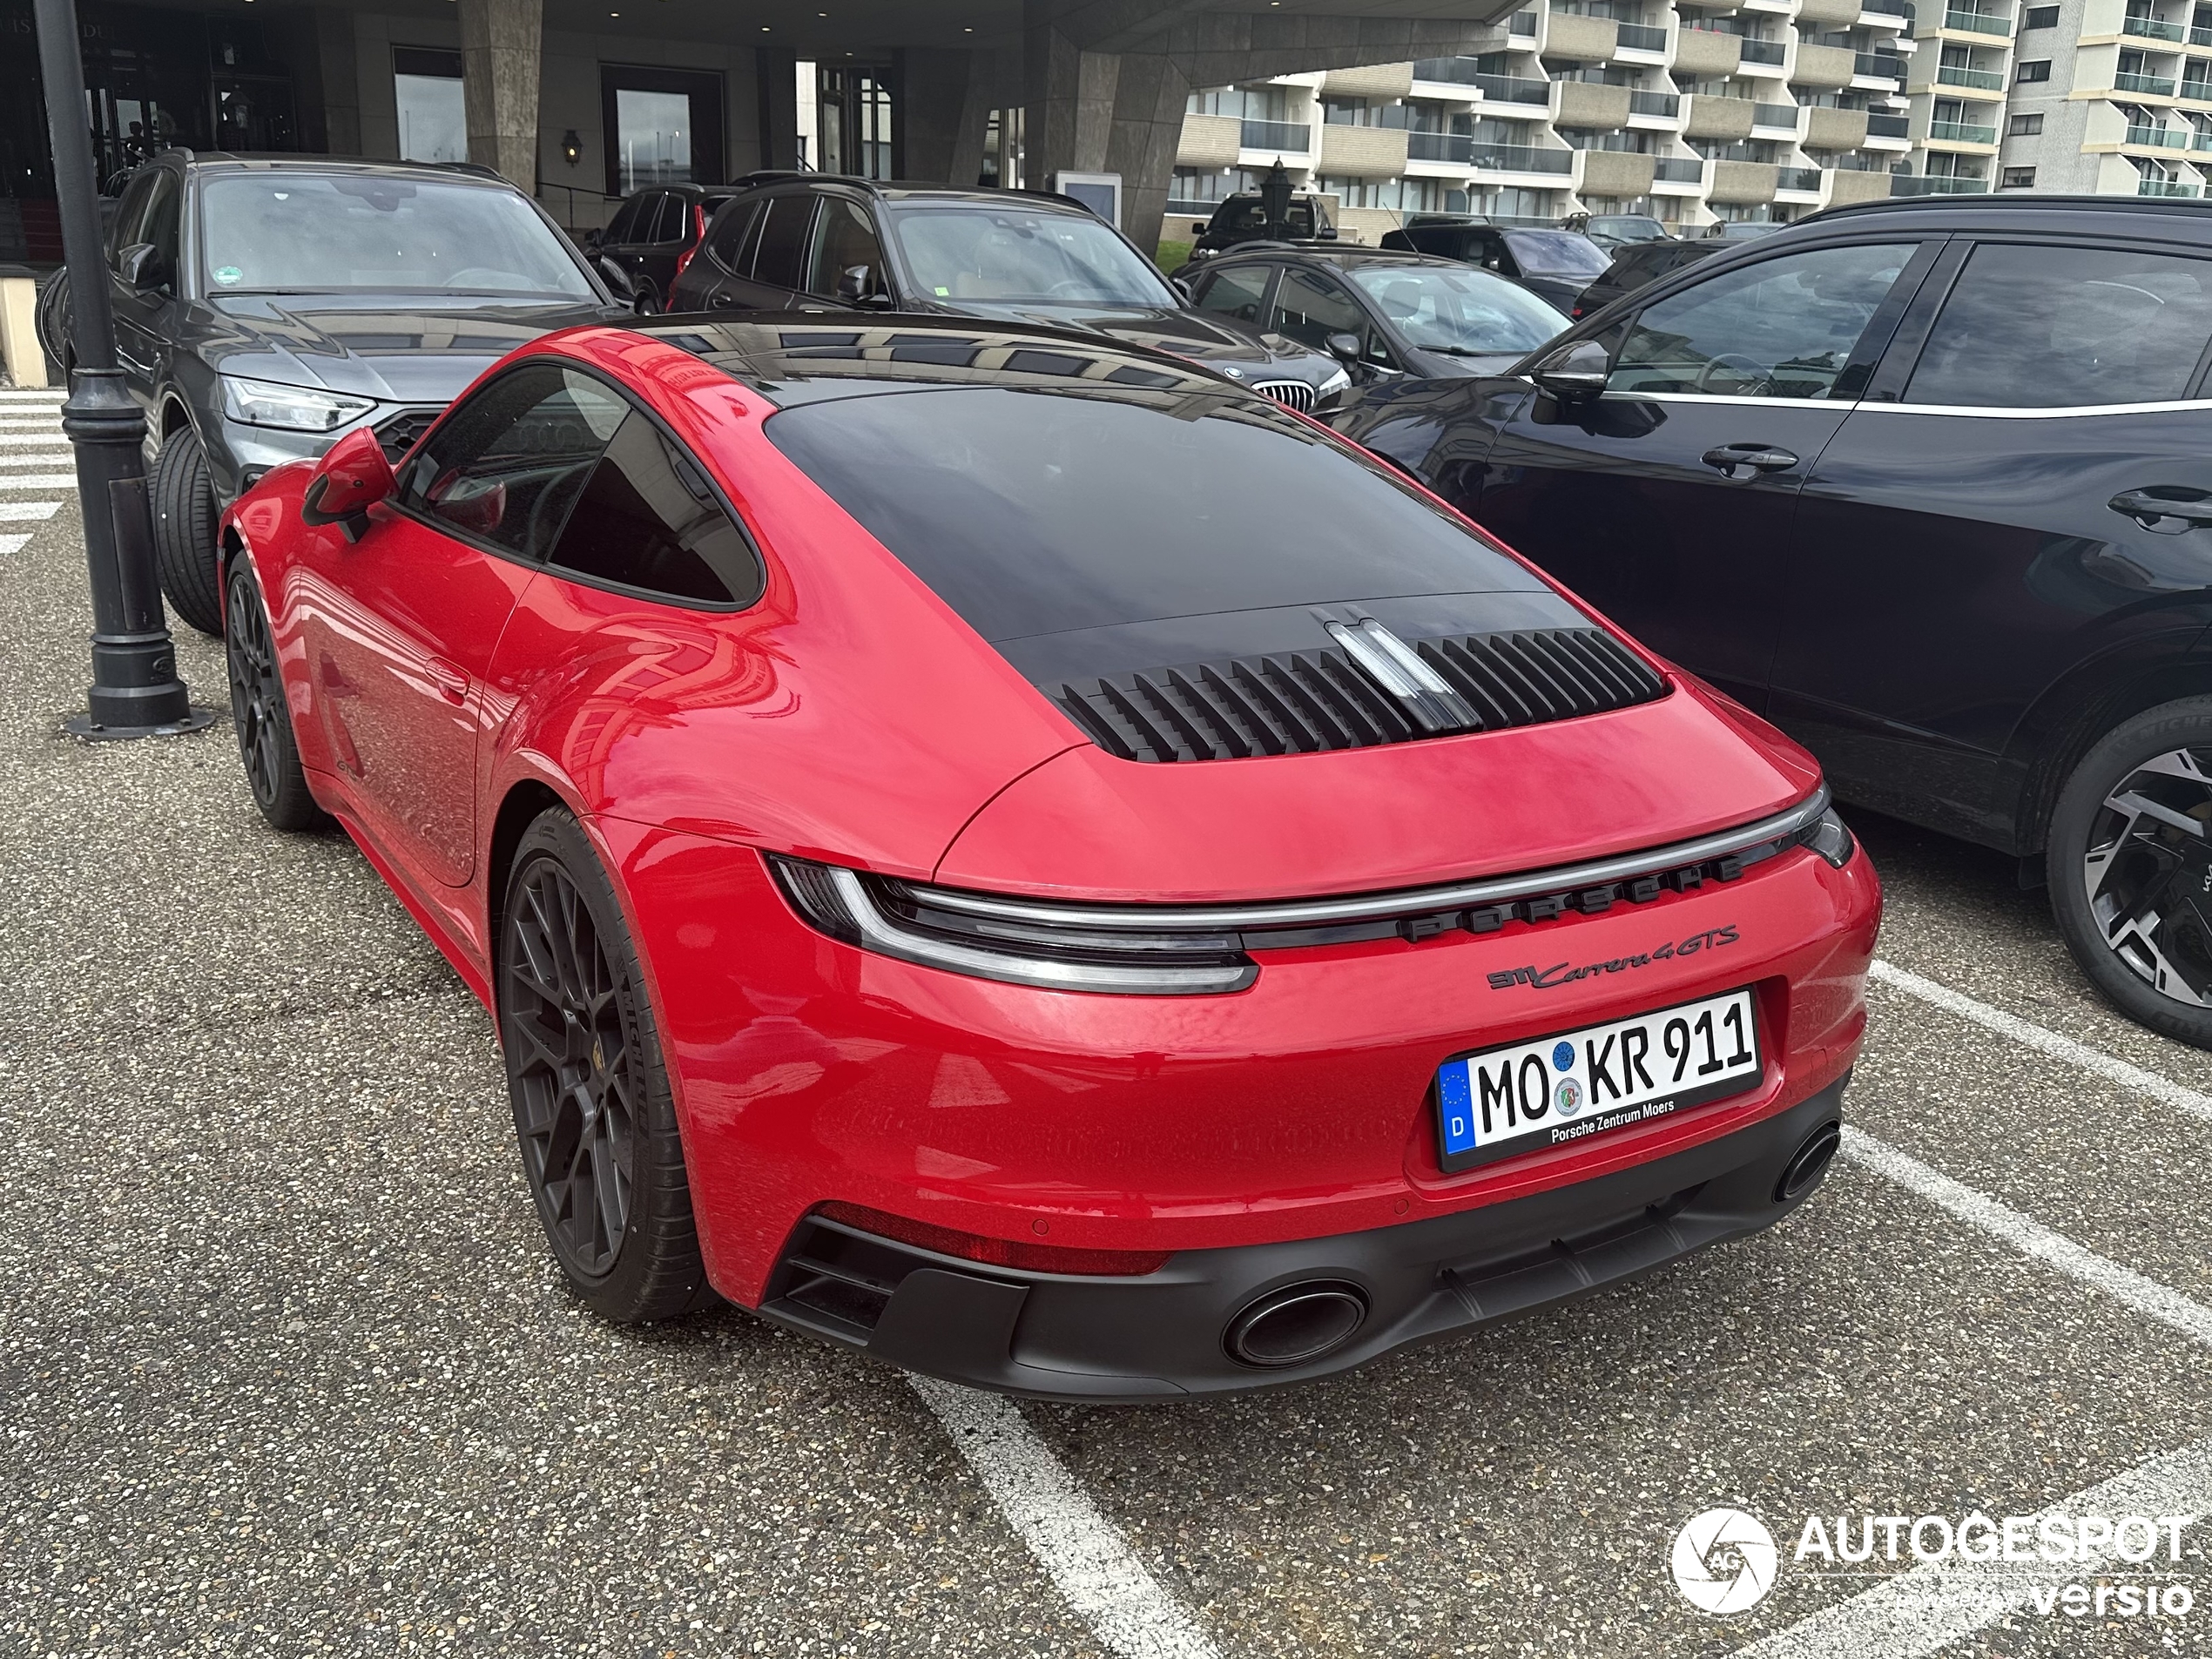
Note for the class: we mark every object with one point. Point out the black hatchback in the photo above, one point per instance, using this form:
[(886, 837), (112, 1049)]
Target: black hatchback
[(651, 238), (1929, 484), (1555, 265)]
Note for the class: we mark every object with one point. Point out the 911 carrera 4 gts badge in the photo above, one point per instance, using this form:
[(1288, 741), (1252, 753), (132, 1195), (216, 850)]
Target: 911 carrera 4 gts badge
[(1545, 979)]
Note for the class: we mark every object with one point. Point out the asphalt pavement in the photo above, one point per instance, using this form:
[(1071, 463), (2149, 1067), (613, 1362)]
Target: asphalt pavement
[(285, 1367)]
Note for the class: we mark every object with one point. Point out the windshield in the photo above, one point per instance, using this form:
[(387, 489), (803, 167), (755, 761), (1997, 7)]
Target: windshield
[(1459, 311), (1001, 255), (329, 232), (1555, 253), (1628, 228)]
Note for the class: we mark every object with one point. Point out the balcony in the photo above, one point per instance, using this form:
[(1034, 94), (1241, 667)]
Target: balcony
[(1597, 106), (1637, 37), (1912, 184), (1798, 178), (1775, 115), (1827, 129), (1983, 80), (1881, 66), (1961, 133), (1724, 119), (1888, 8), (1208, 141), (1479, 154), (1765, 52), (1291, 138), (1512, 88), (1889, 127), (1382, 81), (2201, 90), (1522, 23), (2159, 138), (1580, 38), (1978, 23), (1828, 68), (1679, 170), (1666, 104), (2152, 29), (1364, 152), (2201, 141), (2199, 37), (1707, 54), (2164, 187), (2158, 85), (1743, 183), (1461, 70)]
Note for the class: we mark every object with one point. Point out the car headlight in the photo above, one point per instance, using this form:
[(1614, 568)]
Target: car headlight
[(1827, 836), (1334, 384), (976, 934), (296, 408)]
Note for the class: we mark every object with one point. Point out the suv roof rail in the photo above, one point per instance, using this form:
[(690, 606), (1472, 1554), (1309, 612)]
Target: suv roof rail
[(2014, 201)]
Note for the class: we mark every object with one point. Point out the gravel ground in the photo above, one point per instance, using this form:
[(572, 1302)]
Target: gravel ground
[(286, 1368)]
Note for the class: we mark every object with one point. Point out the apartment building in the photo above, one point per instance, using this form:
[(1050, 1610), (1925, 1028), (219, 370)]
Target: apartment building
[(2112, 96), (1699, 111)]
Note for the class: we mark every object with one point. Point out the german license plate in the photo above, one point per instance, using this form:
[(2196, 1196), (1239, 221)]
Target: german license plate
[(1498, 1102)]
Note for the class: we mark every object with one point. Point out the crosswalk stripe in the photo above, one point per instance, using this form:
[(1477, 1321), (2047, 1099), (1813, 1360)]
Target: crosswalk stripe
[(65, 459), (19, 510), (38, 481), (13, 543), (26, 437), (54, 396)]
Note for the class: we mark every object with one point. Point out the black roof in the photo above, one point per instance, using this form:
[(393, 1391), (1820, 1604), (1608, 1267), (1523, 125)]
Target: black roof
[(789, 358), (902, 189), (1339, 254), (2015, 202), (295, 161)]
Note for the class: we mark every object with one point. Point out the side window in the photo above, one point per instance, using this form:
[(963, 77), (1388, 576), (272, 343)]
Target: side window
[(725, 238), (1309, 308), (2050, 328), (650, 520), (164, 214), (783, 239), (619, 228), (1496, 254), (668, 223), (1237, 293), (507, 464), (845, 240), (131, 214), (1784, 328)]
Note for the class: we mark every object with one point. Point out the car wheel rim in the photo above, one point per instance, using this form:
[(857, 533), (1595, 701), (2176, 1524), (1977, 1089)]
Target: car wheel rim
[(576, 1088), (257, 695), (2147, 872)]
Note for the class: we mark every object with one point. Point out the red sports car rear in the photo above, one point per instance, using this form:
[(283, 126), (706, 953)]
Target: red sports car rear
[(1025, 859)]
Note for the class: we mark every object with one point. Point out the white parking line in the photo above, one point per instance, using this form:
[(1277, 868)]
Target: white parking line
[(1082, 1551), (26, 437), (61, 458), (1926, 1610), (32, 397), (2048, 1043), (20, 511), (12, 544)]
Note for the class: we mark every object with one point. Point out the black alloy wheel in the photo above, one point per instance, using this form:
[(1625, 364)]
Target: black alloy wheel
[(259, 712), (2130, 867), (593, 1111)]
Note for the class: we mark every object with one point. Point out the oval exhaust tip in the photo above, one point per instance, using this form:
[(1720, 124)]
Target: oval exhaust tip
[(1811, 1161), (1296, 1323)]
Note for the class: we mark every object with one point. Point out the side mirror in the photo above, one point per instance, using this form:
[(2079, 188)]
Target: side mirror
[(141, 266), (1327, 234), (1346, 349), (1577, 373), (1181, 286), (352, 477), (617, 279), (593, 240), (855, 285)]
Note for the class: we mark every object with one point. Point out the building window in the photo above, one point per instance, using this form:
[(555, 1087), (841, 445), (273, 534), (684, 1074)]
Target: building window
[(662, 126), (434, 124), (2023, 126), (2017, 178), (2040, 18), (2040, 69)]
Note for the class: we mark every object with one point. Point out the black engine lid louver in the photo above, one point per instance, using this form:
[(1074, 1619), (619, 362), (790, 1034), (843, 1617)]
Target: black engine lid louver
[(1305, 702)]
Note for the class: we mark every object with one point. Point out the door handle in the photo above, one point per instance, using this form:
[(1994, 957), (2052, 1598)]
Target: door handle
[(1755, 458), (2146, 506), (452, 684)]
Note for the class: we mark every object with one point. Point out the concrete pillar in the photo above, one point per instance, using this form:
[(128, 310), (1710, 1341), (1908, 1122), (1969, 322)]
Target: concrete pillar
[(1070, 97), (1149, 92), (944, 107), (778, 71), (502, 42)]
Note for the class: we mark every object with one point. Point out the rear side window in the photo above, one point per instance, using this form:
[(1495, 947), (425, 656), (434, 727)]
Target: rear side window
[(673, 219), (619, 228), (726, 240), (506, 466), (846, 242), (1309, 308), (2050, 328), (1237, 293), (650, 520), (783, 239)]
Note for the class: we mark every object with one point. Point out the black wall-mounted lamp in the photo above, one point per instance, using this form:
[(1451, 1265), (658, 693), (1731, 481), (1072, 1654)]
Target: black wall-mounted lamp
[(571, 147)]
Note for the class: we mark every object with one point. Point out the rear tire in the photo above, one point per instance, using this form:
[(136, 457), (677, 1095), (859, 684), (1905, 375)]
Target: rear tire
[(593, 1110), (184, 531), (2131, 887)]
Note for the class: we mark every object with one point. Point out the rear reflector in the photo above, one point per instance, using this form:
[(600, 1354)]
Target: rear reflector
[(996, 1252)]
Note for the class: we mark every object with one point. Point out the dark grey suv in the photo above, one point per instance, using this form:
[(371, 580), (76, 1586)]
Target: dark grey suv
[(265, 305)]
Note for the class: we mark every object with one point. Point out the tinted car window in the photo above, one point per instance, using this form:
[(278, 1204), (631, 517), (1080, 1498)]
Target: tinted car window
[(1439, 309), (1555, 253), (1309, 308), (673, 219), (1034, 511), (2044, 327), (130, 214), (726, 238), (844, 240), (626, 220), (1236, 294), (164, 212), (1784, 328), (783, 239), (649, 519), (1248, 213), (1023, 255), (508, 463)]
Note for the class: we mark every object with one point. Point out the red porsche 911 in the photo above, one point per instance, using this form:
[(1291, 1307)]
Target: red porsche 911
[(1027, 859)]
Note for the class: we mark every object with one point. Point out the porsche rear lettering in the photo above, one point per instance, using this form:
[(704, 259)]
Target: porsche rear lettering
[(1545, 979)]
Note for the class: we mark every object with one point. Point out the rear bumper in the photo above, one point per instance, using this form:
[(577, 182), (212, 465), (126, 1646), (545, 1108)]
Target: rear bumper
[(1163, 1336)]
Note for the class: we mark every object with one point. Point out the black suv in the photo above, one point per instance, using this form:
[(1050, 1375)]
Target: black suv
[(264, 305), (1929, 484), (1555, 265), (810, 242), (653, 235), (1243, 219)]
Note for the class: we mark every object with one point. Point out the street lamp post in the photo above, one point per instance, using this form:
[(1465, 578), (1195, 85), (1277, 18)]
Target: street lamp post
[(135, 690)]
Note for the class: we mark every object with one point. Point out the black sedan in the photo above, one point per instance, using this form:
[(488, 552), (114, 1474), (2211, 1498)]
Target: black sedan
[(820, 243), (266, 305), (1556, 265), (1382, 313), (1929, 484)]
